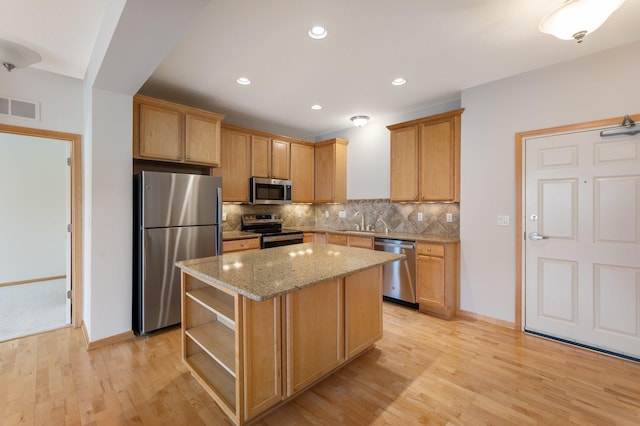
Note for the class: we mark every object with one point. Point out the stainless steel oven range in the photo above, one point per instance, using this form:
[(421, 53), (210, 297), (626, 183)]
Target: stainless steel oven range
[(270, 227)]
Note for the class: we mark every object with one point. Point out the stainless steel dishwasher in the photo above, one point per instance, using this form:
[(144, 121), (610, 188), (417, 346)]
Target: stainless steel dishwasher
[(399, 277)]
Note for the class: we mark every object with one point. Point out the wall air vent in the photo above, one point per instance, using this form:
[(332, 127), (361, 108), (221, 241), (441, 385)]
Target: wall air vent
[(19, 108)]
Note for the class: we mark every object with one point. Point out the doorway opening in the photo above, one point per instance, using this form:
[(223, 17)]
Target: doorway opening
[(40, 281)]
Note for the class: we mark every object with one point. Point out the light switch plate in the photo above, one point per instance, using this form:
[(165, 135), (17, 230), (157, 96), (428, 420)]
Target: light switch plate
[(299, 213), (326, 213), (342, 214), (503, 220), (449, 217)]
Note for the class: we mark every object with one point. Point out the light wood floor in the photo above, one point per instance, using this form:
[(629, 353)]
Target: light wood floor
[(424, 371)]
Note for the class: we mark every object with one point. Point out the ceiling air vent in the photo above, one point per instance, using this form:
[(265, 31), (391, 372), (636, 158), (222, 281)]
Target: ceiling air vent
[(20, 108)]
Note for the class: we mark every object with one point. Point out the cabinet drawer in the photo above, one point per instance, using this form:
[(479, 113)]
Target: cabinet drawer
[(238, 245), (428, 249)]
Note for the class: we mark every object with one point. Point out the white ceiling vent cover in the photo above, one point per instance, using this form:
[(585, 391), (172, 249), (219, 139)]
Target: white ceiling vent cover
[(20, 108)]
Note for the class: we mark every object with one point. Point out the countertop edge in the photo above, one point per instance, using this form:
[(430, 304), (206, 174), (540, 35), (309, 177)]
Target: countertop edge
[(426, 238)]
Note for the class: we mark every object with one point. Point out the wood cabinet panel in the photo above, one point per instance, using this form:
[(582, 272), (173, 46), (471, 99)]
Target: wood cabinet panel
[(425, 158), (160, 135), (202, 137), (437, 278), (235, 168), (363, 310), (302, 173), (362, 242), (404, 164), (260, 156), (171, 132), (262, 341), (338, 239), (240, 245), (315, 333), (280, 159), (331, 171)]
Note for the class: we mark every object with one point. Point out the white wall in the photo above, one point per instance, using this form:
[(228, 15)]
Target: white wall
[(368, 165), (33, 190), (60, 98), (600, 86)]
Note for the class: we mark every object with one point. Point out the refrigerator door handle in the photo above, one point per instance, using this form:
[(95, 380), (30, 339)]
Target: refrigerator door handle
[(219, 222)]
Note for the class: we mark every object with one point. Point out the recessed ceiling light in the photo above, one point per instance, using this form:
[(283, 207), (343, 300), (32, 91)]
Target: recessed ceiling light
[(316, 107), (244, 81), (317, 32), (398, 81)]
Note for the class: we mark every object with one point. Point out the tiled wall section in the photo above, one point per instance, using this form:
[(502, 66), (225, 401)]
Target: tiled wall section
[(399, 217)]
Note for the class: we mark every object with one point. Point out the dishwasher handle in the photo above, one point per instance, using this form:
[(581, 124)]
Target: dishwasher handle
[(404, 246)]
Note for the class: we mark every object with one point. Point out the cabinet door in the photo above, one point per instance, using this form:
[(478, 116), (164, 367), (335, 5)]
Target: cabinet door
[(320, 238), (363, 310), (260, 156), (437, 161), (314, 346), (431, 283), (302, 173), (236, 165), (262, 343), (404, 164), (338, 239), (280, 159), (331, 173), (201, 140), (161, 134)]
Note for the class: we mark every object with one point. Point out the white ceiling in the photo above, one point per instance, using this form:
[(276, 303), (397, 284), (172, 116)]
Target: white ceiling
[(440, 47)]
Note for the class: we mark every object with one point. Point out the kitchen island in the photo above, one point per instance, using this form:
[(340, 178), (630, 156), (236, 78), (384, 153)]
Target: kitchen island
[(261, 326)]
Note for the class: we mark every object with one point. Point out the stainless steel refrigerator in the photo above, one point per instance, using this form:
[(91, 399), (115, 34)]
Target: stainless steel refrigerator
[(177, 217)]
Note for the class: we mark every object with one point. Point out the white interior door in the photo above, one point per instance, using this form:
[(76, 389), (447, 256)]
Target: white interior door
[(582, 249)]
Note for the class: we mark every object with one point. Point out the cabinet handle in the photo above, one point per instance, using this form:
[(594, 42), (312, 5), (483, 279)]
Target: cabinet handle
[(188, 157), (179, 157)]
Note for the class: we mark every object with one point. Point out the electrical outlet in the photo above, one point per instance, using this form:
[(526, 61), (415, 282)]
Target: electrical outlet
[(342, 214), (503, 220), (224, 216), (449, 217), (420, 217), (326, 214), (299, 213)]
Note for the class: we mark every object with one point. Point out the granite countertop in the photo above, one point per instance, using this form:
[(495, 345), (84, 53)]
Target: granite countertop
[(424, 238), (238, 235), (267, 273)]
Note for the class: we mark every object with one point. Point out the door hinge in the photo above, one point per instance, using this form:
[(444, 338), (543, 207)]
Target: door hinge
[(69, 228), (69, 295), (68, 161)]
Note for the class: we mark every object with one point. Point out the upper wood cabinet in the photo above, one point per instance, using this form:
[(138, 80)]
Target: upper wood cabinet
[(270, 158), (171, 132), (236, 165), (302, 167), (425, 158), (331, 171)]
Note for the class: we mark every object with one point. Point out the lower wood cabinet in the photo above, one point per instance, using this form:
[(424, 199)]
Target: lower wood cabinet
[(229, 246), (251, 356), (338, 239), (315, 333), (437, 278)]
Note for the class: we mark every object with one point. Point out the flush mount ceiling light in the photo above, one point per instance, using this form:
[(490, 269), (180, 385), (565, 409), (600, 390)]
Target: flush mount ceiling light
[(399, 81), (359, 120), (316, 107), (318, 32), (13, 55), (576, 18), (243, 81)]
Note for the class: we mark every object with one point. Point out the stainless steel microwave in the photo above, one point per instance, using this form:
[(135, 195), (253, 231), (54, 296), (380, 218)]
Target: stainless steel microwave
[(269, 191)]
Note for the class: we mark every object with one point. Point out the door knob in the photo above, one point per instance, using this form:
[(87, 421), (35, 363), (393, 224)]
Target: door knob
[(535, 236)]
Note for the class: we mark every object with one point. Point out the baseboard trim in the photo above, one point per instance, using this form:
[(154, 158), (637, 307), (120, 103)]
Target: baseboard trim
[(89, 345), (495, 321)]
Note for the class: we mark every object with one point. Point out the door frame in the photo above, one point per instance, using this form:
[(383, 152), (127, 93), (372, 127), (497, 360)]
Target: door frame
[(520, 160), (76, 208)]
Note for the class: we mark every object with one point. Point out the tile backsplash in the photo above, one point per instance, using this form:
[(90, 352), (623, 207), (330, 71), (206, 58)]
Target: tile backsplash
[(399, 217)]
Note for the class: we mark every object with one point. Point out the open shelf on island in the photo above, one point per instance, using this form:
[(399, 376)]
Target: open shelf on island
[(218, 341), (215, 300), (214, 376)]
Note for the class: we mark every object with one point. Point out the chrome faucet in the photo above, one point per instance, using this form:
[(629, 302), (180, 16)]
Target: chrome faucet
[(361, 228), (386, 227)]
